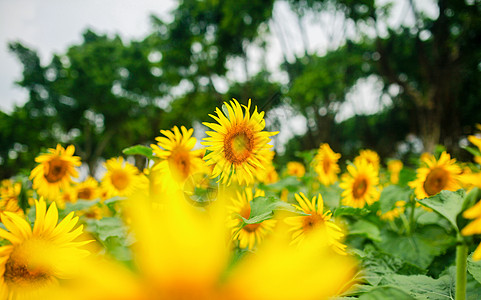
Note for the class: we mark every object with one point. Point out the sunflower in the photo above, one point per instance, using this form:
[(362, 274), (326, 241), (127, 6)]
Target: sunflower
[(67, 195), (325, 164), (238, 144), (250, 234), (295, 168), (267, 174), (474, 227), (436, 175), (9, 193), (88, 189), (360, 184), (394, 167), (122, 178), (371, 156), (36, 258), (476, 140), (177, 159), (54, 171), (394, 213), (317, 218)]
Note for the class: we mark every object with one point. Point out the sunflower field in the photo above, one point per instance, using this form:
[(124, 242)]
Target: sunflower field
[(219, 220)]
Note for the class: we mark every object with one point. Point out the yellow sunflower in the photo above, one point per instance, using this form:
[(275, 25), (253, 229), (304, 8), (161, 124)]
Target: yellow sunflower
[(474, 227), (88, 189), (35, 259), (360, 184), (476, 140), (394, 167), (394, 213), (371, 156), (267, 174), (251, 234), (67, 195), (178, 161), (325, 164), (55, 171), (317, 218), (295, 168), (238, 144), (436, 175), (9, 193), (121, 178)]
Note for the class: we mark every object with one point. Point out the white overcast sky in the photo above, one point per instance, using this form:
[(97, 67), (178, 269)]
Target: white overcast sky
[(51, 26)]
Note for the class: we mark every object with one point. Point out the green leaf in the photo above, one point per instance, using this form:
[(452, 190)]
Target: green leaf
[(292, 184), (419, 248), (331, 195), (422, 287), (108, 227), (262, 208), (474, 268), (365, 228), (391, 194), (139, 150), (386, 292), (77, 206), (117, 248), (350, 211), (448, 204)]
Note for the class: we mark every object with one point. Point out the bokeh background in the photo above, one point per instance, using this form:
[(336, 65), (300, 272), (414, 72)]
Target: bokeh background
[(399, 77)]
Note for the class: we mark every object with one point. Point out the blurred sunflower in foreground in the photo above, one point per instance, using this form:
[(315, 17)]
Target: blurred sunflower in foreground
[(36, 259), (436, 175), (325, 164), (360, 184), (238, 145), (182, 252), (55, 171)]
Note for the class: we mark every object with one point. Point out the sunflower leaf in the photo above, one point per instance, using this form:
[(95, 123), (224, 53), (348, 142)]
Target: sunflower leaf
[(474, 268), (139, 150), (448, 204), (350, 211), (262, 208), (391, 194)]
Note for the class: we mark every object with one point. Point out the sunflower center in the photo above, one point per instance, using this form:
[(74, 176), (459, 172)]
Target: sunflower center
[(180, 161), (436, 181), (120, 180), (310, 221), (238, 144), (56, 170), (326, 165), (85, 193), (19, 270), (359, 188)]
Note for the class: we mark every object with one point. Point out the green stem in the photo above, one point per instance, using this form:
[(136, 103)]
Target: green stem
[(412, 222), (461, 268)]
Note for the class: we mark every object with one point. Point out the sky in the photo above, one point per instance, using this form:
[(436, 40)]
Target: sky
[(51, 26)]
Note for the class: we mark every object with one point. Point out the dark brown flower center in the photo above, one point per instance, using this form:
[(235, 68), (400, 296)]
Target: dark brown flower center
[(56, 170), (326, 165), (18, 273), (359, 188), (238, 144), (179, 161), (436, 181), (85, 193)]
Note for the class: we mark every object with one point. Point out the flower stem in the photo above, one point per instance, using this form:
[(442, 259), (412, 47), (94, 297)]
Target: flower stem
[(461, 268)]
